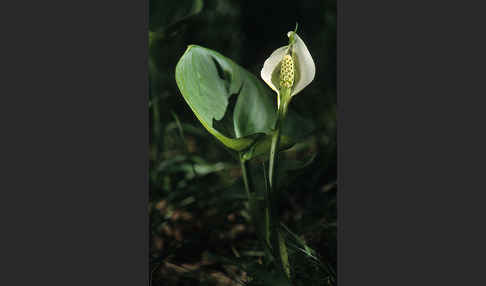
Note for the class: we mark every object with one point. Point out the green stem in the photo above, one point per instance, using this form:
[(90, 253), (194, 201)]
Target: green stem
[(277, 237), (246, 178), (251, 207), (267, 206), (273, 157)]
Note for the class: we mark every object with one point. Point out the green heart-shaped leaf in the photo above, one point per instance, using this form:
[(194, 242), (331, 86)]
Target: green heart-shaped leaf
[(231, 103)]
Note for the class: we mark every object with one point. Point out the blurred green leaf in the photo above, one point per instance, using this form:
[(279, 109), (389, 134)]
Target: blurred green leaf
[(295, 165), (164, 13), (188, 128)]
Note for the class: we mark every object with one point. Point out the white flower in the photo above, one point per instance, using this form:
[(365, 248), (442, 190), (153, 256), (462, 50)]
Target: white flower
[(303, 66)]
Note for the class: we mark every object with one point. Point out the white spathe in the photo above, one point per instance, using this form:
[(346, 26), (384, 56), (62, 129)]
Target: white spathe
[(305, 65)]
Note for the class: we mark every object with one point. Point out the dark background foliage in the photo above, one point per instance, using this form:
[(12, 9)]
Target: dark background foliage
[(200, 234)]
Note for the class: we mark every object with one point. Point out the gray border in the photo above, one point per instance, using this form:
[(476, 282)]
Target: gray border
[(411, 147), (74, 143)]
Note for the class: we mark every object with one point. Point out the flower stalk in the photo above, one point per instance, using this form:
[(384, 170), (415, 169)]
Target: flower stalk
[(287, 71), (278, 241)]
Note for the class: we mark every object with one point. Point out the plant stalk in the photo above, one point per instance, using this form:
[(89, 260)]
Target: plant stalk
[(278, 240), (251, 207), (246, 177)]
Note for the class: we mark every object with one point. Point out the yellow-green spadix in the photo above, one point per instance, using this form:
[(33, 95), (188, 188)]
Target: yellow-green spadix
[(290, 66)]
